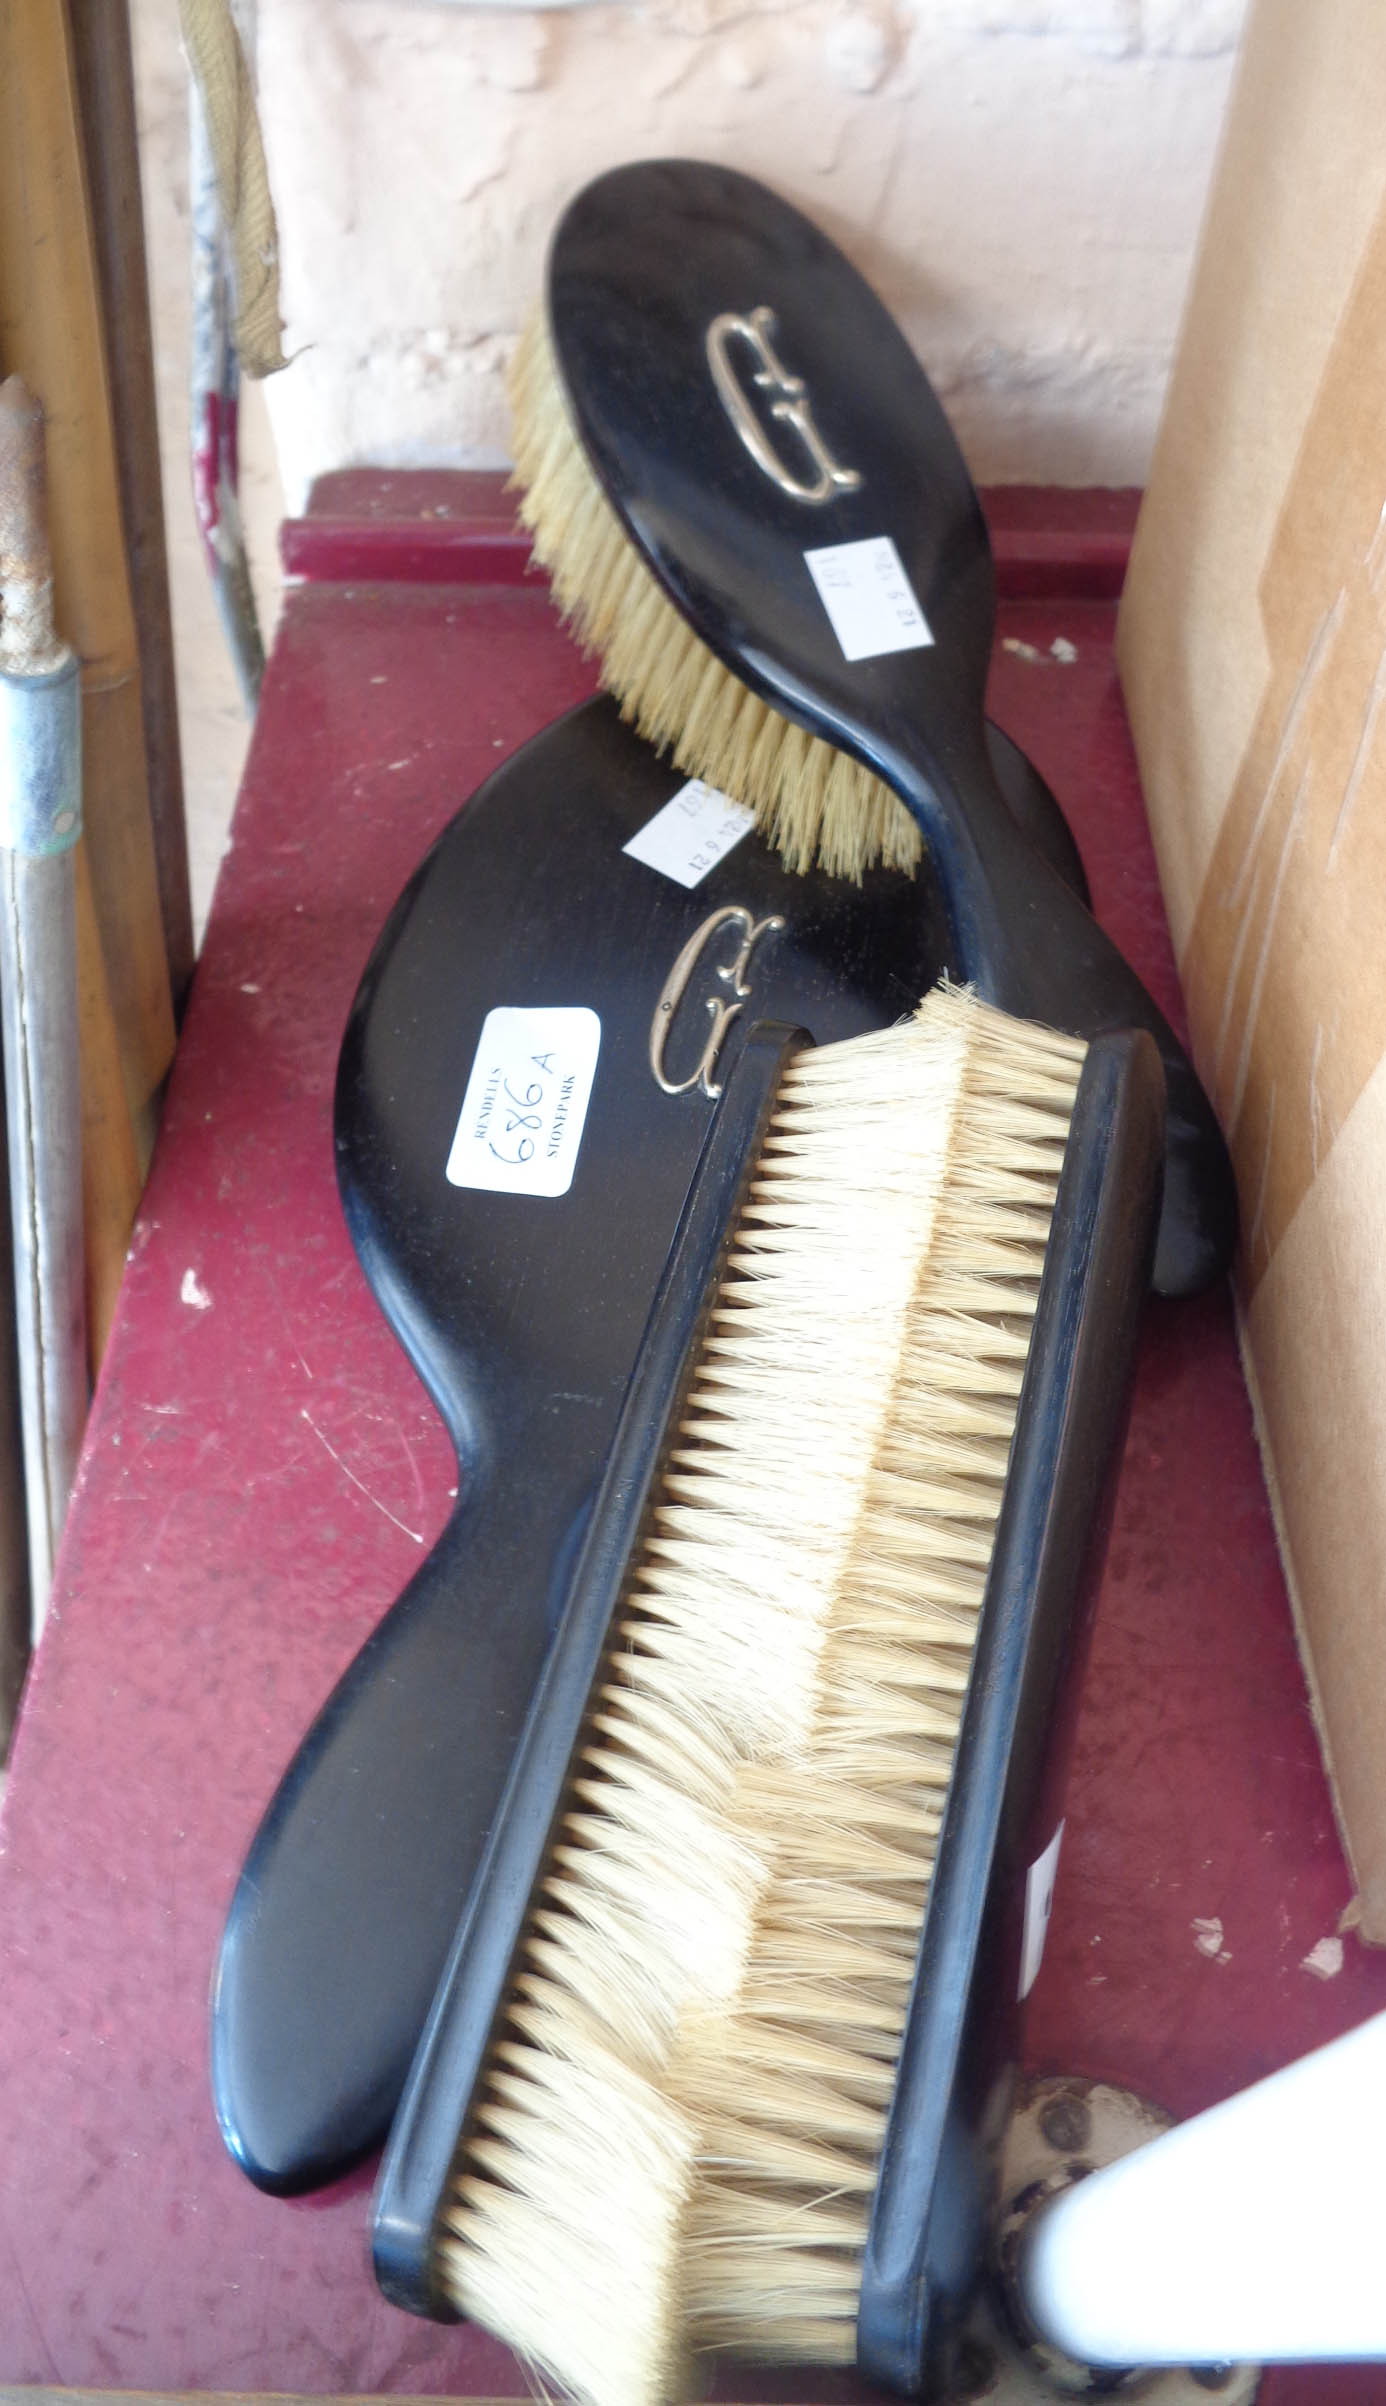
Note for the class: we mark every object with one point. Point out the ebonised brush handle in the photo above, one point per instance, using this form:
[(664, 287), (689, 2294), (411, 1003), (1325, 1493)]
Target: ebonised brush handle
[(1028, 945), (362, 1864)]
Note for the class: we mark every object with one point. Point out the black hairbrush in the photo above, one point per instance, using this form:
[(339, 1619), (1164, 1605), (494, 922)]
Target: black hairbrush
[(754, 510)]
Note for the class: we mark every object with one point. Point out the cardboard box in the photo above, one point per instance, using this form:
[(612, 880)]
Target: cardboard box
[(1252, 649)]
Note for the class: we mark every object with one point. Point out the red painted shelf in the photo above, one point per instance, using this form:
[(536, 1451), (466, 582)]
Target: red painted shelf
[(431, 527)]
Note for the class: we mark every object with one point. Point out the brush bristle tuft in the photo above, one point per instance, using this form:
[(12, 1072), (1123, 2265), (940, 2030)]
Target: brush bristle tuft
[(676, 2141), (814, 804)]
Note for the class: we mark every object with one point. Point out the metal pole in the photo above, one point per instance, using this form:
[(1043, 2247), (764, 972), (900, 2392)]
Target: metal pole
[(40, 821)]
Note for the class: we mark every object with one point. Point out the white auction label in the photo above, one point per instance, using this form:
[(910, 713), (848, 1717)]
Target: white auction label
[(697, 827), (870, 600), (526, 1101), (1039, 1904)]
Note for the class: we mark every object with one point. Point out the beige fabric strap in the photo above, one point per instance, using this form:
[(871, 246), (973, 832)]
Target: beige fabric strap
[(219, 66)]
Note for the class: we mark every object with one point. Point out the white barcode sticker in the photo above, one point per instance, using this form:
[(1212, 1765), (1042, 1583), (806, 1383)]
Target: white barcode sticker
[(1039, 1904), (870, 600), (526, 1101), (697, 827)]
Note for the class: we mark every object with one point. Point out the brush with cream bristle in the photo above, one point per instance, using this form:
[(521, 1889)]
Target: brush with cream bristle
[(815, 804), (649, 2111)]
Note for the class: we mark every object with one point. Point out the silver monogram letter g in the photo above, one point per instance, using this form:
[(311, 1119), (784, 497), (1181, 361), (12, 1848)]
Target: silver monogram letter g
[(791, 407)]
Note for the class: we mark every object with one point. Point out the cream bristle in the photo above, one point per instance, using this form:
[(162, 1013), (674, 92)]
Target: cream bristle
[(848, 1829), (674, 2144), (813, 802)]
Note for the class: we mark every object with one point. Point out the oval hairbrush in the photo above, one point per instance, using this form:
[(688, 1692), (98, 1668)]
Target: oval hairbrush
[(754, 510)]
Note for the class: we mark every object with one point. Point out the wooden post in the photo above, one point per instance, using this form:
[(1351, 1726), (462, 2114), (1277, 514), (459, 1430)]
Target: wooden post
[(106, 90), (51, 331)]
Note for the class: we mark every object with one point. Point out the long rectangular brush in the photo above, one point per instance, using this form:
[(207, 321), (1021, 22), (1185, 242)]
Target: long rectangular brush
[(709, 2063)]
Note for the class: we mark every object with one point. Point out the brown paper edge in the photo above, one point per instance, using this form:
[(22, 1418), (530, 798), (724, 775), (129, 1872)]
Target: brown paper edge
[(1357, 1915)]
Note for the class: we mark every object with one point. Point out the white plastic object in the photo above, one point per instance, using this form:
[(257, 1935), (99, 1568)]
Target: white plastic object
[(1255, 2230)]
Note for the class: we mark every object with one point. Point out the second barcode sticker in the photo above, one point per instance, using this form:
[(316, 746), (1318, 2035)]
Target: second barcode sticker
[(696, 829), (869, 598)]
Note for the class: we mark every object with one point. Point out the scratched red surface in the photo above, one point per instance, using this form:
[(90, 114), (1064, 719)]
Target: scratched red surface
[(262, 1474)]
